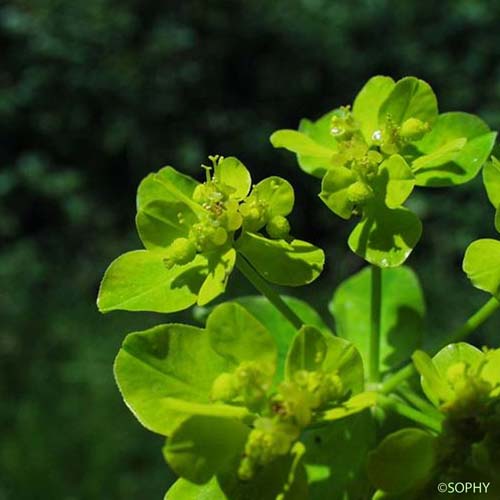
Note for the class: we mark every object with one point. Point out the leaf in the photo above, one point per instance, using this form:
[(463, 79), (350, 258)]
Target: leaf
[(396, 181), (139, 281), (185, 490), (454, 150), (482, 265), (220, 264), (301, 144), (307, 351), (160, 222), (354, 405), (409, 98), (291, 264), (491, 179), (166, 185), (320, 132), (281, 329), (238, 336), (165, 375), (441, 362), (343, 357), (277, 193), (336, 455), (334, 191), (402, 314), (433, 384), (403, 461), (231, 172), (367, 104), (202, 446), (385, 237)]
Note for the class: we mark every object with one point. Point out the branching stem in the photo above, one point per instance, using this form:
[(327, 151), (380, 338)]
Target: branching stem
[(265, 289), (474, 322)]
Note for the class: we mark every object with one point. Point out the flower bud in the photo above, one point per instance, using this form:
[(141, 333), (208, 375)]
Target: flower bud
[(224, 388), (278, 227), (413, 129), (359, 192), (180, 252)]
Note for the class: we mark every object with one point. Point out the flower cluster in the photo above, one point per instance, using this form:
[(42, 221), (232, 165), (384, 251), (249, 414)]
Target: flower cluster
[(372, 155), (193, 232)]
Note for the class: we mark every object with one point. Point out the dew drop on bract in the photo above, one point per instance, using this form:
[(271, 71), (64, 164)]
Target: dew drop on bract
[(377, 136)]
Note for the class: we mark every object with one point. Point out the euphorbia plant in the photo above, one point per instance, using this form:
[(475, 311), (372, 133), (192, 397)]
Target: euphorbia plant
[(264, 400)]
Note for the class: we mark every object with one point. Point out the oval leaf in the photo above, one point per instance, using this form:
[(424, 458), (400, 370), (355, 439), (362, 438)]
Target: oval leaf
[(231, 172), (482, 265), (202, 446), (367, 104), (291, 264), (165, 375), (139, 281), (453, 151), (385, 237), (334, 191), (404, 460), (402, 314), (237, 336)]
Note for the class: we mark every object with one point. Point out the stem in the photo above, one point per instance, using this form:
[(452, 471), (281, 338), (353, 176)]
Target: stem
[(418, 402), (376, 304), (474, 322), (408, 412), (263, 287)]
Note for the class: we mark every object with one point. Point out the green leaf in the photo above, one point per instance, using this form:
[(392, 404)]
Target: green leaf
[(294, 263), (220, 264), (336, 455), (307, 352), (277, 194), (318, 131), (453, 151), (482, 265), (301, 144), (433, 384), (165, 375), (160, 222), (402, 314), (396, 181), (434, 379), (403, 461), (185, 490), (367, 104), (385, 237), (491, 179), (166, 185), (334, 191), (237, 336), (233, 173), (139, 281), (343, 357), (410, 98), (354, 405), (202, 446), (281, 329)]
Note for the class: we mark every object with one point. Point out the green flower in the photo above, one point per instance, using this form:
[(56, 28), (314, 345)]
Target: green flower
[(464, 384), (370, 158), (223, 401), (192, 233)]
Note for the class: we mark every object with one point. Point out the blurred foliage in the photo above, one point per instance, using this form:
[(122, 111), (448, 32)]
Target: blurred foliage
[(95, 94)]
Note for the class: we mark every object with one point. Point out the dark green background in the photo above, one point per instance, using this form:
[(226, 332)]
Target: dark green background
[(95, 94)]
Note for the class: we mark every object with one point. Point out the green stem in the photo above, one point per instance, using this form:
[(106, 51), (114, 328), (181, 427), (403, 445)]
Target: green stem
[(376, 305), (418, 402), (474, 322), (408, 412), (263, 287)]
